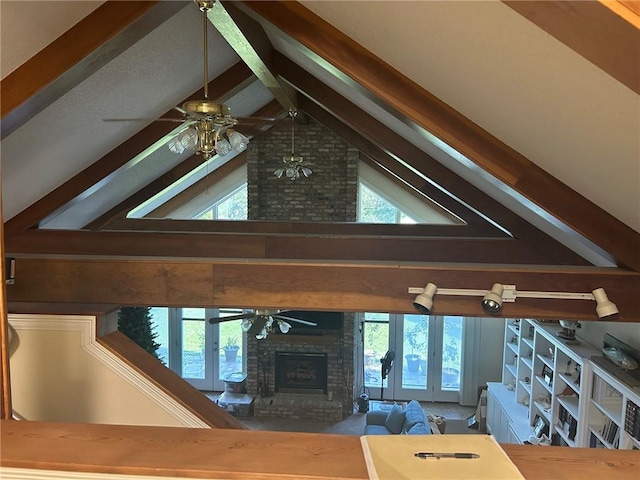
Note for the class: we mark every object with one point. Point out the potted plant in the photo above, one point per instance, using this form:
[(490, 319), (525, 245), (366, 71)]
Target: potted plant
[(416, 337), (231, 349)]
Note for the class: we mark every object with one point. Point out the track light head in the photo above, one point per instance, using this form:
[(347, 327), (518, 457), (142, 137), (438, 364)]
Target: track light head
[(604, 306), (424, 301), (492, 301)]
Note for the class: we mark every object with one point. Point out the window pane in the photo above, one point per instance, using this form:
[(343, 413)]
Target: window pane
[(414, 346), (193, 326), (374, 208), (234, 207), (451, 353), (231, 345), (160, 316), (376, 344)]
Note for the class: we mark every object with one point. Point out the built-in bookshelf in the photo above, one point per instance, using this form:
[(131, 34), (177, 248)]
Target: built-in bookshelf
[(543, 385), (614, 410)]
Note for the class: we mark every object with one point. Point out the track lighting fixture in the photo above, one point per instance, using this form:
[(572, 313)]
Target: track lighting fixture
[(493, 299)]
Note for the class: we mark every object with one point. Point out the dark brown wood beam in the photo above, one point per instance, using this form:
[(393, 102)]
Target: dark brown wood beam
[(595, 30), (344, 286), (336, 52), (194, 239), (120, 156), (384, 159), (85, 48), (271, 110), (403, 151)]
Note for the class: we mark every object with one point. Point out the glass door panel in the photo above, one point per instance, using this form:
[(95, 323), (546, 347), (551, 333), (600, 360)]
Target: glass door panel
[(415, 343), (230, 356), (376, 344), (451, 353), (428, 356), (196, 343)]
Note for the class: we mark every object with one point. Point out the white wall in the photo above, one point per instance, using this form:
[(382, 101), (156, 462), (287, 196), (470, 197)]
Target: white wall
[(60, 374), (627, 332), (491, 350)]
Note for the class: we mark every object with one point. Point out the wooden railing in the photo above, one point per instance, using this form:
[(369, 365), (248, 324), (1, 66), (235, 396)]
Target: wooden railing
[(241, 454)]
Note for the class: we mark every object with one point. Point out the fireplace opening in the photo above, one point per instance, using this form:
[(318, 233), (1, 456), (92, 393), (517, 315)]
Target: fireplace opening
[(301, 372)]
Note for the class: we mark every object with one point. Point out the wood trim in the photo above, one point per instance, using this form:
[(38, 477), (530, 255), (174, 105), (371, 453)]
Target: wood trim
[(345, 286), (86, 47), (119, 156), (380, 157), (594, 30), (6, 408), (170, 383), (320, 247), (332, 49), (397, 147), (200, 453)]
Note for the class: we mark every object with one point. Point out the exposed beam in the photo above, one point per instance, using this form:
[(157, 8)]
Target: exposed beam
[(394, 145), (352, 287), (592, 29), (85, 48), (422, 111), (250, 43), (119, 156), (321, 242), (271, 110), (384, 159)]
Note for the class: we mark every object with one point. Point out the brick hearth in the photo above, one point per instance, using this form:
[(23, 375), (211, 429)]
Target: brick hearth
[(300, 406)]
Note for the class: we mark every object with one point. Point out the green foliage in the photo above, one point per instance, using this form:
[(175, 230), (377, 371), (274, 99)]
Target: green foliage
[(416, 335), (137, 324), (232, 343)]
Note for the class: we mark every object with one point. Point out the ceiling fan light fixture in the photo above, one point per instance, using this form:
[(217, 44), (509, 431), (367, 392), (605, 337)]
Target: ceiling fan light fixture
[(223, 146), (284, 326), (237, 140), (294, 164)]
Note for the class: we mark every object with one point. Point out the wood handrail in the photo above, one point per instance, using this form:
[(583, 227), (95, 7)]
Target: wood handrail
[(170, 383), (241, 454)]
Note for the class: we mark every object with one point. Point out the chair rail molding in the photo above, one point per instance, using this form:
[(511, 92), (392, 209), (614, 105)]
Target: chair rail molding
[(86, 326)]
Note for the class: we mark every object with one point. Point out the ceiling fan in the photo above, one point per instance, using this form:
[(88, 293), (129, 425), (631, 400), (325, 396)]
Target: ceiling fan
[(209, 124), (261, 322)]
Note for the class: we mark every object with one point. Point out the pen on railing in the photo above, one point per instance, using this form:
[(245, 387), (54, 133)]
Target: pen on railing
[(438, 455)]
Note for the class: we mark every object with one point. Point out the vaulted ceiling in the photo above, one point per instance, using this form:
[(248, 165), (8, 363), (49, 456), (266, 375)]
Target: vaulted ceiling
[(523, 117)]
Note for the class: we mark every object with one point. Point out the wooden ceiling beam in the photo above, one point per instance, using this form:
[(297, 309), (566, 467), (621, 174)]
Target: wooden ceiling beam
[(119, 156), (595, 30), (252, 45), (351, 287), (403, 151), (271, 110), (426, 114), (193, 239), (85, 48), (381, 157)]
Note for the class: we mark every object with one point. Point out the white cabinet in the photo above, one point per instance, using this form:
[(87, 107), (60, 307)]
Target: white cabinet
[(614, 412)]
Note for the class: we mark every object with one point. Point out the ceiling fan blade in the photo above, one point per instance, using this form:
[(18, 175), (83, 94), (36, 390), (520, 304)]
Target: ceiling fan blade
[(241, 316), (291, 319), (256, 119), (177, 120)]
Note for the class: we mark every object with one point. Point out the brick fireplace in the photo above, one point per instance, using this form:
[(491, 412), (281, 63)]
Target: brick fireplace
[(300, 372), (329, 194)]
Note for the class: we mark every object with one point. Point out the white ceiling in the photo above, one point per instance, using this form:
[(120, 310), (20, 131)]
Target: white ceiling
[(482, 58)]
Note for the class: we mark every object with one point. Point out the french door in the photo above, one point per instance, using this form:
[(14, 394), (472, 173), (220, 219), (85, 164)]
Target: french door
[(203, 354), (428, 356)]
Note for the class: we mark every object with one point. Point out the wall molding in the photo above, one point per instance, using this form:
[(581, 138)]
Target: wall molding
[(86, 326)]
